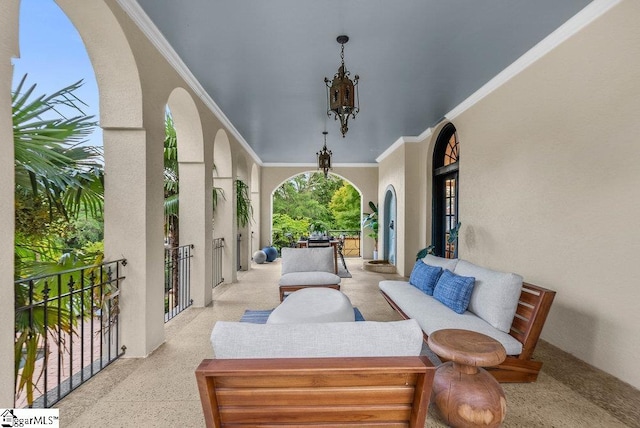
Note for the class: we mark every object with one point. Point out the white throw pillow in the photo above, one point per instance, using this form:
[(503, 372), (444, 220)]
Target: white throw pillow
[(495, 295)]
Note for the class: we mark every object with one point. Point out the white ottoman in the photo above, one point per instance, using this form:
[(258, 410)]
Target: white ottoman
[(314, 304)]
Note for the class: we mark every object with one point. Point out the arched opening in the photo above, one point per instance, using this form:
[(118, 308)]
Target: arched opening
[(389, 226), (58, 155), (224, 223), (307, 204), (188, 224), (58, 194), (445, 192)]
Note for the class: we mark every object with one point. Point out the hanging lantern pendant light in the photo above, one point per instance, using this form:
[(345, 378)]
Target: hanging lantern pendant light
[(324, 157), (342, 93)]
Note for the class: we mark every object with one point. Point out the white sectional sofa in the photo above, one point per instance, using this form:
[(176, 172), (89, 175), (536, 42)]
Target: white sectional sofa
[(500, 305)]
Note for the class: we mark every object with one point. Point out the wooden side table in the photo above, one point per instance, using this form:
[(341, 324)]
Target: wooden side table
[(466, 394)]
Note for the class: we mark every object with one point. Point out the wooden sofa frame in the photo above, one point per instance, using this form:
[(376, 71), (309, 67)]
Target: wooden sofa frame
[(531, 314), (320, 392)]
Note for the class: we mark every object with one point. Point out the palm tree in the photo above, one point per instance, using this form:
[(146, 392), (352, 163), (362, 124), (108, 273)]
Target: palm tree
[(171, 181), (55, 177)]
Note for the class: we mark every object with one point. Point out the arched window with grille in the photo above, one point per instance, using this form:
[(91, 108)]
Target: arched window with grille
[(446, 156)]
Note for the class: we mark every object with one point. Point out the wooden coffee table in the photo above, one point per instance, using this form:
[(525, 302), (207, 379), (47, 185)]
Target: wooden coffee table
[(466, 394)]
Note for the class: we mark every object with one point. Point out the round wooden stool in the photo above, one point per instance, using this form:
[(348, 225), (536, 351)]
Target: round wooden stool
[(466, 394)]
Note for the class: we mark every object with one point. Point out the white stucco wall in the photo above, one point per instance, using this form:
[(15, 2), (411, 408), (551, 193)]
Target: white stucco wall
[(8, 51), (549, 180)]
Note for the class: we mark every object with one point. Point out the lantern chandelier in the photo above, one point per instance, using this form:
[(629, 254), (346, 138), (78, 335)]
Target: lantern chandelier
[(342, 93), (324, 157)]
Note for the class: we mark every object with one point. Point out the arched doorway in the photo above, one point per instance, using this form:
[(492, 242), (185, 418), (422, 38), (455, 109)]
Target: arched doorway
[(390, 225), (446, 156), (290, 221)]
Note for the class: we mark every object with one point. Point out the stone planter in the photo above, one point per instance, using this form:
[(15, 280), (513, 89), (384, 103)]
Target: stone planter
[(380, 266)]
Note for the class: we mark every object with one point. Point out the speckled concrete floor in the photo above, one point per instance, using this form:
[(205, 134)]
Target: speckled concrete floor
[(161, 391)]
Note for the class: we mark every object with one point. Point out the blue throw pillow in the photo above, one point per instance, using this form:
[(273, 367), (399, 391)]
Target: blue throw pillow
[(454, 290), (424, 277)]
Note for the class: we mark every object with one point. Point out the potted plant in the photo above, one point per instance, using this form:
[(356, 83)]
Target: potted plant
[(453, 237), (370, 221), (317, 228)]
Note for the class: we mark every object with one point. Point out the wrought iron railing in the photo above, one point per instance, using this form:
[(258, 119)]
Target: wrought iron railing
[(218, 247), (177, 280), (67, 330)]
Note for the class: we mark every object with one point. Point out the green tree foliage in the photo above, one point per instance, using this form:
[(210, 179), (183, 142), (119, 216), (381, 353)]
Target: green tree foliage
[(58, 191), (51, 167), (309, 202), (287, 230), (171, 182), (345, 206), (307, 196), (57, 180), (244, 210)]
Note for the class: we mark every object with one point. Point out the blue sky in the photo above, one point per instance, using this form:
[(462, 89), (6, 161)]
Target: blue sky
[(53, 55)]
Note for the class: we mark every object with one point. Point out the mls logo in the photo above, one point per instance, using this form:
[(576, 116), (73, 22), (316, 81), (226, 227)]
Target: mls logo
[(6, 418)]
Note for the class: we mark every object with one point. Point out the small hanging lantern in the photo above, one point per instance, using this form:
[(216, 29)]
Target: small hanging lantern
[(342, 93), (324, 157)]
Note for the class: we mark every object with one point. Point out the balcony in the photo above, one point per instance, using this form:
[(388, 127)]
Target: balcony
[(161, 390)]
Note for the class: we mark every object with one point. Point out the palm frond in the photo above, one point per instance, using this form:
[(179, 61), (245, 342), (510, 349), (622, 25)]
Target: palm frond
[(47, 158), (171, 205)]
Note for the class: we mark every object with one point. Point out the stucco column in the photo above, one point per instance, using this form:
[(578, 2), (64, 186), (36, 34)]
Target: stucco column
[(195, 227), (255, 225), (133, 229), (224, 226), (8, 49), (367, 245)]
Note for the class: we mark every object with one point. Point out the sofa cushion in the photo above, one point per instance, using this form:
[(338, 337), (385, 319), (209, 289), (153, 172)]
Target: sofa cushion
[(319, 259), (334, 339), (432, 260), (425, 277), (495, 295), (454, 291), (433, 315), (309, 278)]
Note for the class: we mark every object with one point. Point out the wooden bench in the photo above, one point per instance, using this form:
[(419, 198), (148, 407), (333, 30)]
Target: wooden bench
[(353, 391), (531, 314)]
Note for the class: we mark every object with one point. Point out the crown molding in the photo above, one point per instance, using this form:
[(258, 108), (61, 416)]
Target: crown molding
[(404, 140), (586, 16), (148, 28)]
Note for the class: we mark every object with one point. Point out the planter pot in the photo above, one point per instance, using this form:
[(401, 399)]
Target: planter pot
[(380, 266)]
